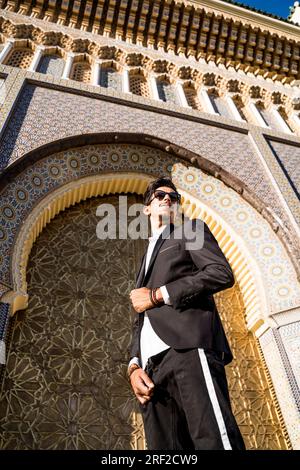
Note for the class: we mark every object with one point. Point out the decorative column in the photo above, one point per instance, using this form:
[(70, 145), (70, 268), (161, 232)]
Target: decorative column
[(283, 125), (68, 65), (36, 58), (125, 81), (181, 95), (4, 320), (208, 106), (153, 87), (6, 50), (233, 108), (96, 72), (257, 116), (2, 91), (281, 351)]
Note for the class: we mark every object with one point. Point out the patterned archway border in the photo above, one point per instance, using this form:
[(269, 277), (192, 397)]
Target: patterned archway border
[(76, 191), (186, 156), (266, 276), (225, 218), (83, 189)]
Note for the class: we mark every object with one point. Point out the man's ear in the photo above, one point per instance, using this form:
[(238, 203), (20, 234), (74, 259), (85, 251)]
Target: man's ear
[(147, 210)]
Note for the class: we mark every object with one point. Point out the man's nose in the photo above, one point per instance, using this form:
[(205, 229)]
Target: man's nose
[(167, 197)]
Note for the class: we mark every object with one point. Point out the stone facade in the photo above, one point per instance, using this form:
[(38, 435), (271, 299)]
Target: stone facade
[(234, 151)]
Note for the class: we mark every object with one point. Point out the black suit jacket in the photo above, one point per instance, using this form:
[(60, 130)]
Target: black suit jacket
[(191, 277)]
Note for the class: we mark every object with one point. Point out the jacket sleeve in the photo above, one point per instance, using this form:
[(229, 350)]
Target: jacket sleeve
[(135, 338), (212, 272)]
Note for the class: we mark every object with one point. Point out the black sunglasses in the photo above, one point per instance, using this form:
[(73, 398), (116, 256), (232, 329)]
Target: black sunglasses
[(160, 195)]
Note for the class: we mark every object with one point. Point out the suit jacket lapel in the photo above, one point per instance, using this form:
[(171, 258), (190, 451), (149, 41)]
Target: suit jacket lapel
[(163, 236), (141, 273)]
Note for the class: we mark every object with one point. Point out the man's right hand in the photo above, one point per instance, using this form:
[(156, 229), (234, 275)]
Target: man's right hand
[(142, 385)]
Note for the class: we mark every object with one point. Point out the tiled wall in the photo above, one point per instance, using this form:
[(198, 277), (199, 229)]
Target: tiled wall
[(44, 115), (289, 158)]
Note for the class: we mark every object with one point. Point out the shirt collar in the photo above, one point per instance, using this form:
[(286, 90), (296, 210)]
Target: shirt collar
[(156, 233)]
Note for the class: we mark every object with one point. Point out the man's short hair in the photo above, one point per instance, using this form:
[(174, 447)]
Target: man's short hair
[(152, 187)]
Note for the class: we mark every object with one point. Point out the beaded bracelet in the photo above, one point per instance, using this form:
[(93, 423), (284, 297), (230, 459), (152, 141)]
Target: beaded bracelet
[(151, 297), (156, 301)]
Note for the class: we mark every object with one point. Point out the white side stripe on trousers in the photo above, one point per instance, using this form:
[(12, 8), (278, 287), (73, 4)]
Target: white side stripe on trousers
[(214, 399)]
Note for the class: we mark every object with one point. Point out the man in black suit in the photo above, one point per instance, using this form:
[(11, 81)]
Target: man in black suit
[(179, 348)]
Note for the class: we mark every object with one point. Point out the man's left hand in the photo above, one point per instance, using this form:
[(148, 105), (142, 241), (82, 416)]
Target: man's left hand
[(140, 299)]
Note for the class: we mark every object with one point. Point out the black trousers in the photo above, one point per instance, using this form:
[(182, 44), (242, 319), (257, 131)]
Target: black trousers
[(190, 408)]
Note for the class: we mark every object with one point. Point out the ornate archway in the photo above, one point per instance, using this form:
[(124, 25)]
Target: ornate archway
[(128, 169)]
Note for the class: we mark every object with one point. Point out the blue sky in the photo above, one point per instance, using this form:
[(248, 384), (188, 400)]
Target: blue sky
[(280, 8)]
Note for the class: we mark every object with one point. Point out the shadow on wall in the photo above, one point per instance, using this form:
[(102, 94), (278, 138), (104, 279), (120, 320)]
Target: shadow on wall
[(14, 126)]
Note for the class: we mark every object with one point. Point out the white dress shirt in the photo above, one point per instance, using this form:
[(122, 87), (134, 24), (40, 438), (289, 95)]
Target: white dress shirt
[(151, 343)]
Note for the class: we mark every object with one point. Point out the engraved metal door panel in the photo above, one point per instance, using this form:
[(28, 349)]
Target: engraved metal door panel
[(65, 384)]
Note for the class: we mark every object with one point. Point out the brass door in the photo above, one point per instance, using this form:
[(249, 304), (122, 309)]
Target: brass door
[(65, 384)]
